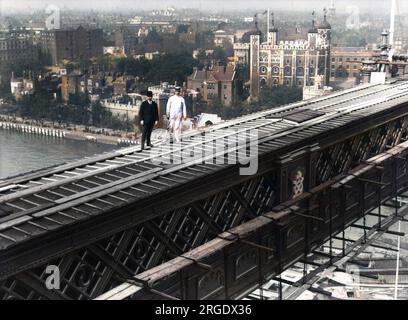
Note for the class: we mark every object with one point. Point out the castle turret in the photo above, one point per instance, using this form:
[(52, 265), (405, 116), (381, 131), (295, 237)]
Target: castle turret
[(384, 40), (246, 38), (254, 65), (324, 30), (323, 44), (273, 33), (313, 32)]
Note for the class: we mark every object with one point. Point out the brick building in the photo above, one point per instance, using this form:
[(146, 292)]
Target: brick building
[(72, 44), (14, 49), (73, 84), (127, 39), (346, 62), (218, 84)]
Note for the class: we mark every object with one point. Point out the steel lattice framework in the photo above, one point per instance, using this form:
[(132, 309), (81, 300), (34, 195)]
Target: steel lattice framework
[(245, 257), (104, 220)]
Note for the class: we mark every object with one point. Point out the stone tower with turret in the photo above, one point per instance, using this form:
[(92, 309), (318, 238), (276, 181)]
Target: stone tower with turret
[(301, 63), (324, 45)]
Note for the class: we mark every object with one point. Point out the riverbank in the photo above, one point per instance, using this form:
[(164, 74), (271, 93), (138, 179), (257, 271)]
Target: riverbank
[(23, 128), (62, 130), (25, 152)]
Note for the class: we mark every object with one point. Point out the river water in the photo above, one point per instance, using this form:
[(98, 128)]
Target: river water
[(20, 152)]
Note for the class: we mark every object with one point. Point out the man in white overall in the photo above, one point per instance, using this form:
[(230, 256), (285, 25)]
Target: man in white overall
[(176, 112)]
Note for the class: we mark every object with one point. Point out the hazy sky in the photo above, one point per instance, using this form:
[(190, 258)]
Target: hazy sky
[(381, 6)]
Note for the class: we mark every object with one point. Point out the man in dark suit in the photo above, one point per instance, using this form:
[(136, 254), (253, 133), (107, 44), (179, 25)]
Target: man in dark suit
[(149, 117)]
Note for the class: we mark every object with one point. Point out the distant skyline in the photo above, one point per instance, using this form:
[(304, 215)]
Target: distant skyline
[(372, 6)]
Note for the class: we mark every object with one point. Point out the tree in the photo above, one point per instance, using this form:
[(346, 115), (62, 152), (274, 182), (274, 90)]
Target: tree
[(153, 37), (104, 63), (38, 105), (233, 111), (205, 39), (134, 67), (79, 105), (268, 98), (97, 113), (277, 96), (220, 55), (171, 67), (201, 55), (20, 68), (79, 99)]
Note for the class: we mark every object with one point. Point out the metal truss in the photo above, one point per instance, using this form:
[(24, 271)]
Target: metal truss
[(90, 271), (104, 221), (342, 157), (353, 248), (246, 257)]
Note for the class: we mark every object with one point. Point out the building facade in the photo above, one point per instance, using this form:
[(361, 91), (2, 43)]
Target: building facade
[(21, 86), (218, 84), (127, 39), (73, 84), (288, 63), (125, 108), (72, 44), (221, 38), (346, 62), (14, 49)]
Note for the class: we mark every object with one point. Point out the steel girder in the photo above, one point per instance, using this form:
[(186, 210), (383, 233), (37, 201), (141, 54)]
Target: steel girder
[(97, 267), (246, 257)]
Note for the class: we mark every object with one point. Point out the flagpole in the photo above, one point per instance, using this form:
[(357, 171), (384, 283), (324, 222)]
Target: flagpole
[(267, 31), (392, 23)]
